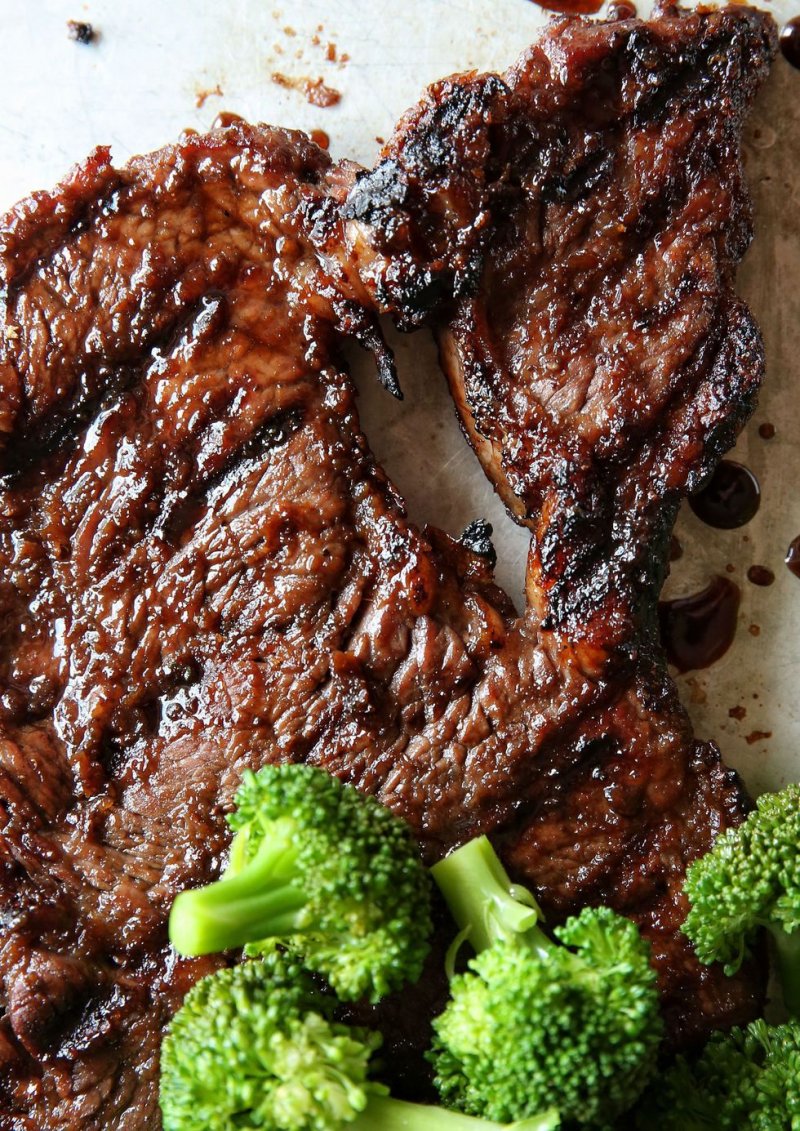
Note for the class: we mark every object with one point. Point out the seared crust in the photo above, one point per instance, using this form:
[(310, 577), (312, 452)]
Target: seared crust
[(202, 569)]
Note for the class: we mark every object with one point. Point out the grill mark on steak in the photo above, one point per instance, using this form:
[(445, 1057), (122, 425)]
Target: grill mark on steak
[(206, 599)]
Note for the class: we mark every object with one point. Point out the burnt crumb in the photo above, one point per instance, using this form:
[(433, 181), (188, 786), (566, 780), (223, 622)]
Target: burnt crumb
[(315, 91), (202, 95), (757, 736), (477, 536), (81, 32)]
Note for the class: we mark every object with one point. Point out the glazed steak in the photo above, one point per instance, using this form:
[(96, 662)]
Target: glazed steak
[(202, 569), (571, 230)]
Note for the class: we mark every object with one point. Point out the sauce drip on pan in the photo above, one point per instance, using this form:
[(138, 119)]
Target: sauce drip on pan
[(760, 575), (572, 7), (697, 630), (793, 556), (730, 498), (790, 41)]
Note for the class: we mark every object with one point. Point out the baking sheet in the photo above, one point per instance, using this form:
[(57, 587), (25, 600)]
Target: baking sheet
[(157, 68)]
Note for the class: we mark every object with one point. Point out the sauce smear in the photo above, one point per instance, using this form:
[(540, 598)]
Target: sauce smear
[(730, 498), (697, 630)]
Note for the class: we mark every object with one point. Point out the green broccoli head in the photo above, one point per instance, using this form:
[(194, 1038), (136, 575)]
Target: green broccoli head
[(745, 1080), (253, 1046), (325, 870), (751, 879), (573, 1023)]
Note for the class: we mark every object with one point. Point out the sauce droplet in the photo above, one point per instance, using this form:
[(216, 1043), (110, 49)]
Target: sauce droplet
[(697, 630), (320, 138), (760, 575), (793, 556), (730, 498), (226, 118), (766, 431), (790, 41)]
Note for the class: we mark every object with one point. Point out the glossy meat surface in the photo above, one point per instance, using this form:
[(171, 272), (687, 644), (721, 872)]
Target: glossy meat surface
[(202, 569)]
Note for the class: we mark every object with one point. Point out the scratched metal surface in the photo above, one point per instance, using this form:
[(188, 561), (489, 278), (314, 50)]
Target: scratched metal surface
[(157, 68)]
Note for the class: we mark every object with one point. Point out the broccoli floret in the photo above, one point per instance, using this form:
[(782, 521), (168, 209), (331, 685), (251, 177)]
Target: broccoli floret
[(574, 1024), (751, 879), (745, 1080), (325, 870), (255, 1047)]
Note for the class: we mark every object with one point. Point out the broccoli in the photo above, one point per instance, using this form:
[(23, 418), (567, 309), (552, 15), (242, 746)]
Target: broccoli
[(254, 1046), (751, 879), (745, 1080), (534, 1023), (325, 870)]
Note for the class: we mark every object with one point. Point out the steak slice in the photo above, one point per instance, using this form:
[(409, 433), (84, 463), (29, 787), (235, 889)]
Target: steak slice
[(202, 570), (571, 230)]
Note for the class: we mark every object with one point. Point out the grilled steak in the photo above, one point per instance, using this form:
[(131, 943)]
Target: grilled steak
[(571, 229), (202, 568)]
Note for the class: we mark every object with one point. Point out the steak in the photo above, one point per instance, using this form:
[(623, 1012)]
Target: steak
[(202, 568)]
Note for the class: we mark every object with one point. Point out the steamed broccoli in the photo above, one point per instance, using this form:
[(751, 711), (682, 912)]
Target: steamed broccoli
[(745, 1080), (255, 1047), (325, 870), (751, 879), (573, 1024)]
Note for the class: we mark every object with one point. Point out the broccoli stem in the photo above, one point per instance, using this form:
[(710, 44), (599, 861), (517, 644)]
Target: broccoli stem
[(484, 902), (787, 950), (255, 900), (383, 1113)]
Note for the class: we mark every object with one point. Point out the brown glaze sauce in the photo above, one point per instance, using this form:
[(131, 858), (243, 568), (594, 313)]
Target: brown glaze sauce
[(622, 10), (320, 138), (760, 575), (226, 118), (731, 497), (697, 630), (571, 7), (766, 431), (792, 558), (790, 41)]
